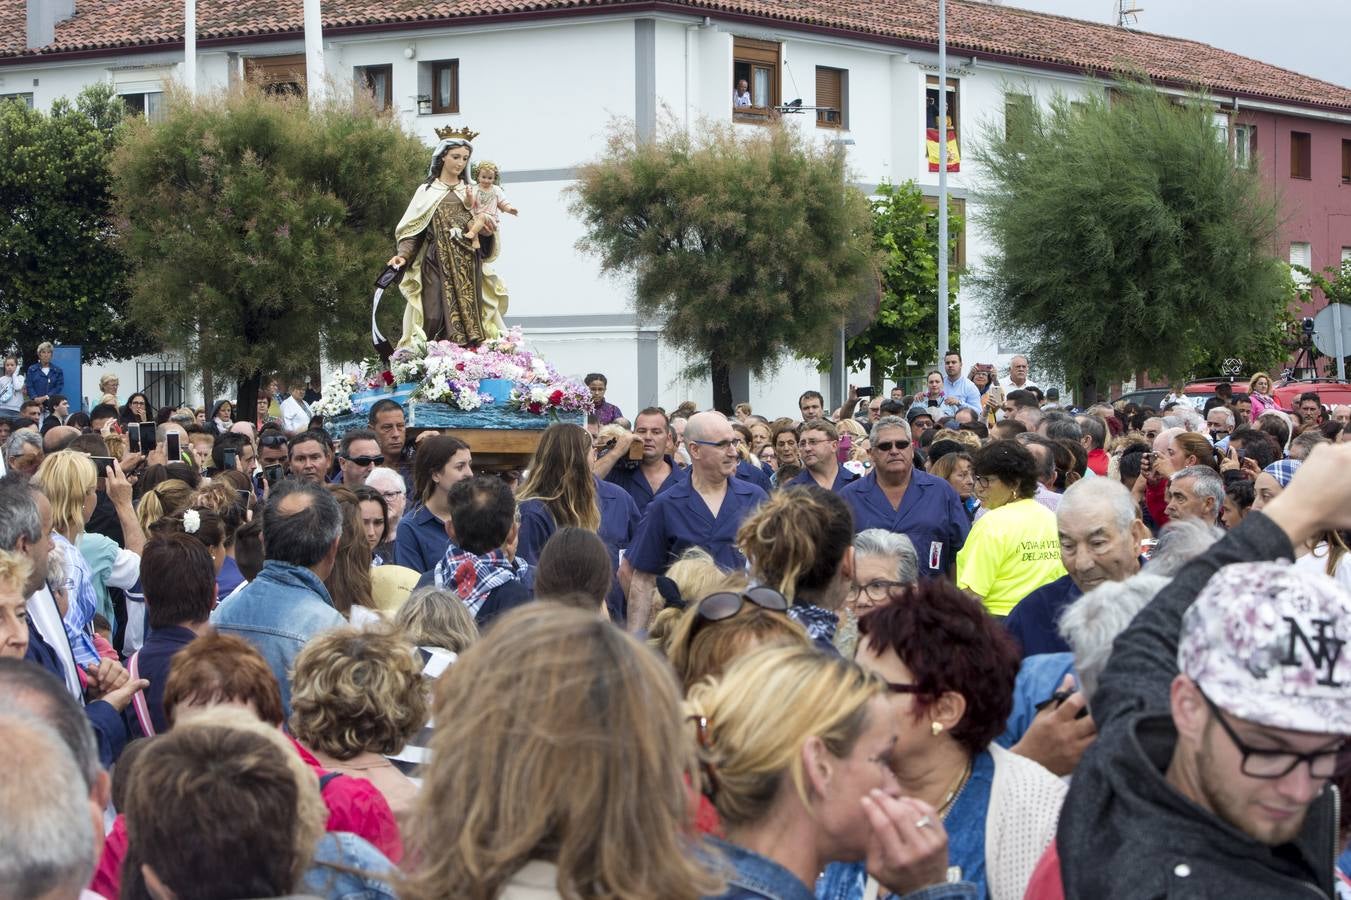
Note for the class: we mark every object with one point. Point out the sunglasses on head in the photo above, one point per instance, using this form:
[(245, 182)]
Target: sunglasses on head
[(364, 460), (725, 604), (273, 440), (888, 446)]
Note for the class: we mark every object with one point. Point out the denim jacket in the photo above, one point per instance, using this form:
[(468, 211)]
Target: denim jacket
[(278, 612), (754, 877)]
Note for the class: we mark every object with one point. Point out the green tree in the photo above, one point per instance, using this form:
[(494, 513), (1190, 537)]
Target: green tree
[(1125, 239), (905, 234), (746, 246), (257, 226), (62, 278)]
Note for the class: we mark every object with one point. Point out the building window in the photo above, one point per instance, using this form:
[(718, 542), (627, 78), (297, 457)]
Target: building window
[(1301, 150), (950, 134), (956, 210), (1245, 146), (377, 82), (281, 76), (1346, 154), (443, 85), (1301, 254), (25, 99), (148, 105), (830, 95), (755, 79), (1018, 113)]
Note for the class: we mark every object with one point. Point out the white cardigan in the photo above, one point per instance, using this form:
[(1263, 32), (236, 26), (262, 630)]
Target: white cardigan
[(1020, 823)]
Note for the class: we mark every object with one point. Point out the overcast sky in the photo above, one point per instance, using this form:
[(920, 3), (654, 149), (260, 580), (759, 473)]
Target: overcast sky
[(1308, 36)]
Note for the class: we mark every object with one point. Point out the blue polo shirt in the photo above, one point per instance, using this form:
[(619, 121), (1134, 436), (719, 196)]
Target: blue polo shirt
[(930, 514), (1033, 622), (631, 479), (749, 471), (842, 477), (619, 521), (421, 541), (679, 519)]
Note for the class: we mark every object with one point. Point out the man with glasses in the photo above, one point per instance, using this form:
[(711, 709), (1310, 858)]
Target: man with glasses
[(703, 510), (818, 445), (1223, 713), (897, 497), (358, 454)]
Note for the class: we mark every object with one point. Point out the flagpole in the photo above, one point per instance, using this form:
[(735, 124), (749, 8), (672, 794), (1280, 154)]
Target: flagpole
[(190, 46), (942, 179)]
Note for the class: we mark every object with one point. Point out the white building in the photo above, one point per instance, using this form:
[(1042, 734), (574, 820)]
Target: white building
[(543, 82)]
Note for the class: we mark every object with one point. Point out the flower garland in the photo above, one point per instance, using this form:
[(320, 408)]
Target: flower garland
[(449, 373)]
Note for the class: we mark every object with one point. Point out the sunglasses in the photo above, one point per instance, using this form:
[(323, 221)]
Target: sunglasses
[(363, 460), (888, 446), (273, 440), (725, 604)]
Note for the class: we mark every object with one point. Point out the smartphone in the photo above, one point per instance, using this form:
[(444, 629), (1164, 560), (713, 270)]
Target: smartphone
[(103, 464), (171, 448), (230, 458), (997, 392), (866, 391), (636, 451), (134, 439), (272, 474), (243, 496), (147, 430)]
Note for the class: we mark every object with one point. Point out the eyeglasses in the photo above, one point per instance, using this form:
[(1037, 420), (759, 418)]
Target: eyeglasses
[(1272, 764), (721, 445), (982, 482), (725, 604), (877, 590), (888, 446), (391, 495), (363, 460), (273, 440)]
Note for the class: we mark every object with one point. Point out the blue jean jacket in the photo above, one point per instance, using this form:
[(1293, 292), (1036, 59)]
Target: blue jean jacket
[(754, 877), (278, 612)]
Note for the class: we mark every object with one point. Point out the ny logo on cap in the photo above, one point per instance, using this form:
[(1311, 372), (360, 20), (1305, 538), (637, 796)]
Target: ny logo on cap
[(1324, 648)]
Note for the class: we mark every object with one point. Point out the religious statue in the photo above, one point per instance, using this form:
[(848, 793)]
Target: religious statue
[(451, 290)]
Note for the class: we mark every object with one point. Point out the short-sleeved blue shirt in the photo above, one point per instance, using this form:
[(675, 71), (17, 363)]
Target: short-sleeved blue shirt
[(842, 477), (930, 514), (679, 519), (632, 479), (421, 541)]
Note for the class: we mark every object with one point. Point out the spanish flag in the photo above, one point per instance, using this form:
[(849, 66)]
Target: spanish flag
[(954, 157)]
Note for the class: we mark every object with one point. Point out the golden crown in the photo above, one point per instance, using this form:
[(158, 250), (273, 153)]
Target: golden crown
[(456, 134)]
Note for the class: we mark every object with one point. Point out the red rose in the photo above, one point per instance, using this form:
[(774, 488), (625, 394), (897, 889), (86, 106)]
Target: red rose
[(387, 376), (536, 408), (459, 366), (556, 398)]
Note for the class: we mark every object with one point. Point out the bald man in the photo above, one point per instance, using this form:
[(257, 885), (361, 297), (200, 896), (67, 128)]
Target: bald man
[(704, 510)]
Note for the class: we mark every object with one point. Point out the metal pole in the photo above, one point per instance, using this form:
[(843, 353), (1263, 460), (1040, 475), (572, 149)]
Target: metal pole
[(190, 46), (316, 83), (942, 179), (1337, 341)]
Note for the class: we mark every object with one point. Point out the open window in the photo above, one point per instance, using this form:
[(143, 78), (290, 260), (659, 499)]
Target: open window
[(377, 82), (148, 105), (755, 79), (438, 87), (932, 132), (831, 85)]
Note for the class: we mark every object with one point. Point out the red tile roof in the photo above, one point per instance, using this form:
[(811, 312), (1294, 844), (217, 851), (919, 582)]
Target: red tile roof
[(973, 27)]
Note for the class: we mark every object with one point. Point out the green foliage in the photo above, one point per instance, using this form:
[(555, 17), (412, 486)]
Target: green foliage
[(746, 245), (258, 226), (61, 276), (905, 233), (1125, 239)]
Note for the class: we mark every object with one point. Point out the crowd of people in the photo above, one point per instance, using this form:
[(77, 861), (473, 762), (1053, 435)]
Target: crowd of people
[(966, 643)]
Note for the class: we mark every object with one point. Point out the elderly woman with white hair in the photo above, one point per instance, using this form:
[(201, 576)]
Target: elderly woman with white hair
[(884, 564)]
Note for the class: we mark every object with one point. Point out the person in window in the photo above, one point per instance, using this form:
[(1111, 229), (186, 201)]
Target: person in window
[(742, 95)]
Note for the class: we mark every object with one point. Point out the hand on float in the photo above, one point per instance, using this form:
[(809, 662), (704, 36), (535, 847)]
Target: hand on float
[(396, 262)]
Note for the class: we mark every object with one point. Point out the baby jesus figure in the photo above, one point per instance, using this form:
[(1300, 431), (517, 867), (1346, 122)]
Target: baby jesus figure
[(486, 201)]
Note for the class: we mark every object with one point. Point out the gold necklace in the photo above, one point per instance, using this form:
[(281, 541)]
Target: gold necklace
[(955, 791)]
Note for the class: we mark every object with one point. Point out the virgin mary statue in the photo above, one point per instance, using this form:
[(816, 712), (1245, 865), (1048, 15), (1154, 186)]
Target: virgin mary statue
[(451, 290)]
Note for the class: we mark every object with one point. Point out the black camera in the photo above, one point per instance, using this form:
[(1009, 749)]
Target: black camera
[(1306, 325)]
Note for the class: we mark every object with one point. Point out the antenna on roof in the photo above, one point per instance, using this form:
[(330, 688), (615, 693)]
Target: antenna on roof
[(1127, 13)]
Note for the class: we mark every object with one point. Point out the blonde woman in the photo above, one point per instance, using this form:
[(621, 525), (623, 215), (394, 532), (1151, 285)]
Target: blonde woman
[(356, 696), (796, 750), (1259, 395), (559, 775), (14, 571), (168, 498), (69, 480)]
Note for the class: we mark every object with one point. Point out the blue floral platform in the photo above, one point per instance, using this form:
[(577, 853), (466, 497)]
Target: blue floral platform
[(422, 414)]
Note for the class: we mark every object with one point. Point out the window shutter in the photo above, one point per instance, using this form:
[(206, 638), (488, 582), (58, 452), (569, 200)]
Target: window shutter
[(830, 92)]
